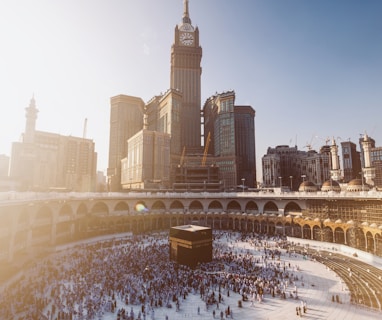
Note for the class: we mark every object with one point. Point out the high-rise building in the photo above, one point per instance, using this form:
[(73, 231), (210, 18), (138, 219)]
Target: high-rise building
[(49, 161), (245, 145), (376, 160), (153, 153), (148, 163), (126, 119), (185, 76), (351, 160), (286, 166), (219, 126), (228, 130), (4, 166)]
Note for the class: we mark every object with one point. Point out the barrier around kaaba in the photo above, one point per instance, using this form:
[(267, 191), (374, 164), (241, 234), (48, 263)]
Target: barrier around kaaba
[(190, 244)]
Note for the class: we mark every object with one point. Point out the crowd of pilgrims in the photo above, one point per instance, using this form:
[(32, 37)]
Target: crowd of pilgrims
[(132, 277)]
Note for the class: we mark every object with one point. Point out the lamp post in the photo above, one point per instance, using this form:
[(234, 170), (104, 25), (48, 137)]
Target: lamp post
[(280, 178), (291, 178), (242, 183)]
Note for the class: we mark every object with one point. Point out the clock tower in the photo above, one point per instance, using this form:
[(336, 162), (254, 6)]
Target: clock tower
[(186, 55)]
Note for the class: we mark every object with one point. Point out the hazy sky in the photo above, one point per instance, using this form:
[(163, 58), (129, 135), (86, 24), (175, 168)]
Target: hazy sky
[(311, 69)]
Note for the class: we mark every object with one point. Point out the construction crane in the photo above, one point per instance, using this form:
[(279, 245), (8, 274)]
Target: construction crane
[(206, 149), (327, 139), (309, 144)]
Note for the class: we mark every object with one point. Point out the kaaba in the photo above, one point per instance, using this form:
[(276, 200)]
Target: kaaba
[(190, 244)]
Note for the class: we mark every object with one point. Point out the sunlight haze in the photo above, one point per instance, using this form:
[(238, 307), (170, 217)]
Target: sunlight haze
[(310, 69)]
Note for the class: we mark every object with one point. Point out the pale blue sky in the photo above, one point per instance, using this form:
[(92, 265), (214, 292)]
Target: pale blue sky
[(311, 69)]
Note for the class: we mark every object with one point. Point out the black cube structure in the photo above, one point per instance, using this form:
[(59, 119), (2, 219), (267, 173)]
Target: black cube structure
[(190, 244)]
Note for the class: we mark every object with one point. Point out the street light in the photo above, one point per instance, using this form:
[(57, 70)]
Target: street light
[(280, 182), (291, 178), (242, 183)]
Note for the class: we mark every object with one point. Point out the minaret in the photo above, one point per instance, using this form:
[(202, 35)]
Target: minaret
[(335, 172), (368, 172), (30, 124), (185, 76)]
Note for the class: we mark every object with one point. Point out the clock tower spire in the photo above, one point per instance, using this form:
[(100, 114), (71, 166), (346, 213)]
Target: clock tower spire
[(186, 16), (186, 56)]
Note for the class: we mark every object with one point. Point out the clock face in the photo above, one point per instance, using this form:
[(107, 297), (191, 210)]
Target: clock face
[(187, 38)]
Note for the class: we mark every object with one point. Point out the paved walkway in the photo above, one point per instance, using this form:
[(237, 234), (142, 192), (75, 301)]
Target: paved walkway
[(317, 286)]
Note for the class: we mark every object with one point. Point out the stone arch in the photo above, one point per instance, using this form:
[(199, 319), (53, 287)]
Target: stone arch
[(317, 233), (263, 227), (210, 222), (271, 207), (271, 228), (195, 206), (256, 226), (378, 244), (236, 223), (177, 205), (251, 207), (279, 228), (100, 209), (215, 206), (244, 225), (306, 232), (292, 207), (328, 234), (360, 238), (356, 238), (121, 206), (224, 222), (370, 242), (233, 206), (140, 206), (65, 211), (230, 222), (288, 229), (250, 225), (339, 235), (158, 206)]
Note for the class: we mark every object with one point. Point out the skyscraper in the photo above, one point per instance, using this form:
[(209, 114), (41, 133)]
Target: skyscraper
[(126, 119), (177, 113), (351, 160), (219, 125), (245, 145), (186, 55)]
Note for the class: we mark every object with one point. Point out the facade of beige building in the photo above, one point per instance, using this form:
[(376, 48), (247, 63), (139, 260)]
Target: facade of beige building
[(49, 161)]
